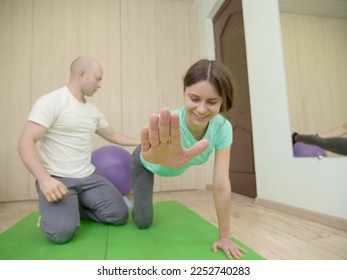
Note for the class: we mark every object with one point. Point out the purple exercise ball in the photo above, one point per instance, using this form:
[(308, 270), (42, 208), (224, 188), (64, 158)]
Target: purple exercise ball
[(113, 163), (305, 150)]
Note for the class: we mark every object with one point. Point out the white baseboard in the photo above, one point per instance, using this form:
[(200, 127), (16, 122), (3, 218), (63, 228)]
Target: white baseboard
[(324, 219)]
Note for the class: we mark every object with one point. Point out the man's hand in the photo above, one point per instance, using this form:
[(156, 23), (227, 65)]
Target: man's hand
[(53, 190), (161, 141)]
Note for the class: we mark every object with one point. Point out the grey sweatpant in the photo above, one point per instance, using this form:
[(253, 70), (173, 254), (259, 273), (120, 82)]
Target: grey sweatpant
[(142, 186), (93, 198)]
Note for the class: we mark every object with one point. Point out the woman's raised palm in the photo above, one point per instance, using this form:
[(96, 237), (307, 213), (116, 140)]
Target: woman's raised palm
[(161, 142)]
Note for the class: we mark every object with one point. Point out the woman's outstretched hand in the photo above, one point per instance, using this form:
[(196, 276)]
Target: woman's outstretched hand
[(161, 141)]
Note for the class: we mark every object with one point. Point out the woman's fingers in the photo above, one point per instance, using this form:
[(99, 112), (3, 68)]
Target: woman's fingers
[(197, 148), (175, 130), (164, 126), (145, 139), (153, 133)]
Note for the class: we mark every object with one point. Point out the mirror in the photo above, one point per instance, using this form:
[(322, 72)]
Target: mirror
[(315, 54)]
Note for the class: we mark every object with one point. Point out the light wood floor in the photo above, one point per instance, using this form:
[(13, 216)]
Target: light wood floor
[(273, 234)]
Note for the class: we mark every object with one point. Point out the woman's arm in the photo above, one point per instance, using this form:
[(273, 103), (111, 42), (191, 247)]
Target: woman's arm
[(222, 191), (222, 200)]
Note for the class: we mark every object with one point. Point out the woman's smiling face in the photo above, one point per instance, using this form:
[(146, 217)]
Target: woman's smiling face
[(202, 103)]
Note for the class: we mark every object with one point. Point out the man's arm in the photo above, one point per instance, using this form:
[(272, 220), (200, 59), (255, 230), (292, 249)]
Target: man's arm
[(52, 189), (116, 137)]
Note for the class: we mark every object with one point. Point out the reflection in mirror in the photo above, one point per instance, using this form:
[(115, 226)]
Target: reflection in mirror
[(314, 35), (332, 140)]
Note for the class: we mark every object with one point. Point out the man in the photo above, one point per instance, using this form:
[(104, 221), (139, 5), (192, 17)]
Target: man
[(56, 147)]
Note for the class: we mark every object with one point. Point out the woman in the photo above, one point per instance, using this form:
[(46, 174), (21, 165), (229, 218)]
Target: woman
[(176, 140)]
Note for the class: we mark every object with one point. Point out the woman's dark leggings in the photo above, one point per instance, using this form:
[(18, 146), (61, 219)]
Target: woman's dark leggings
[(337, 145), (142, 186)]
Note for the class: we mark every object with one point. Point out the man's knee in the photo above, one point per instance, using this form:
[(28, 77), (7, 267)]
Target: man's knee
[(60, 233), (116, 215)]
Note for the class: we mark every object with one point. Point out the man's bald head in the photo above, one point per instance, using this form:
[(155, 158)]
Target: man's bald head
[(83, 64), (85, 77)]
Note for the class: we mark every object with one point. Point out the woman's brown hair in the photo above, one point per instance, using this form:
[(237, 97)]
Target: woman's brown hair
[(217, 75)]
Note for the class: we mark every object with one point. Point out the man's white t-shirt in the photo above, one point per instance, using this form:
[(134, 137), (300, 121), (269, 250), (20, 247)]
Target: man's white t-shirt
[(65, 149)]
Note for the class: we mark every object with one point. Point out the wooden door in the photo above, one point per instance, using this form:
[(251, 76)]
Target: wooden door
[(231, 50)]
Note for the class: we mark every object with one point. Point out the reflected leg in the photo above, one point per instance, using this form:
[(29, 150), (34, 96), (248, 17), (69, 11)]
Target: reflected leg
[(336, 145)]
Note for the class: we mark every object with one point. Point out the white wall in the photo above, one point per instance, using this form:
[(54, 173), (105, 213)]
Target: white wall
[(206, 10), (307, 183)]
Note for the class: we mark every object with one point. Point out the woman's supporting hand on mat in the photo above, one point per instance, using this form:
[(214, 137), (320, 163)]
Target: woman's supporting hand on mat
[(230, 248)]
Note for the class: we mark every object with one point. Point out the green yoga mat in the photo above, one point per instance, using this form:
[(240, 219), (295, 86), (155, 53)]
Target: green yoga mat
[(177, 233), (25, 241)]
